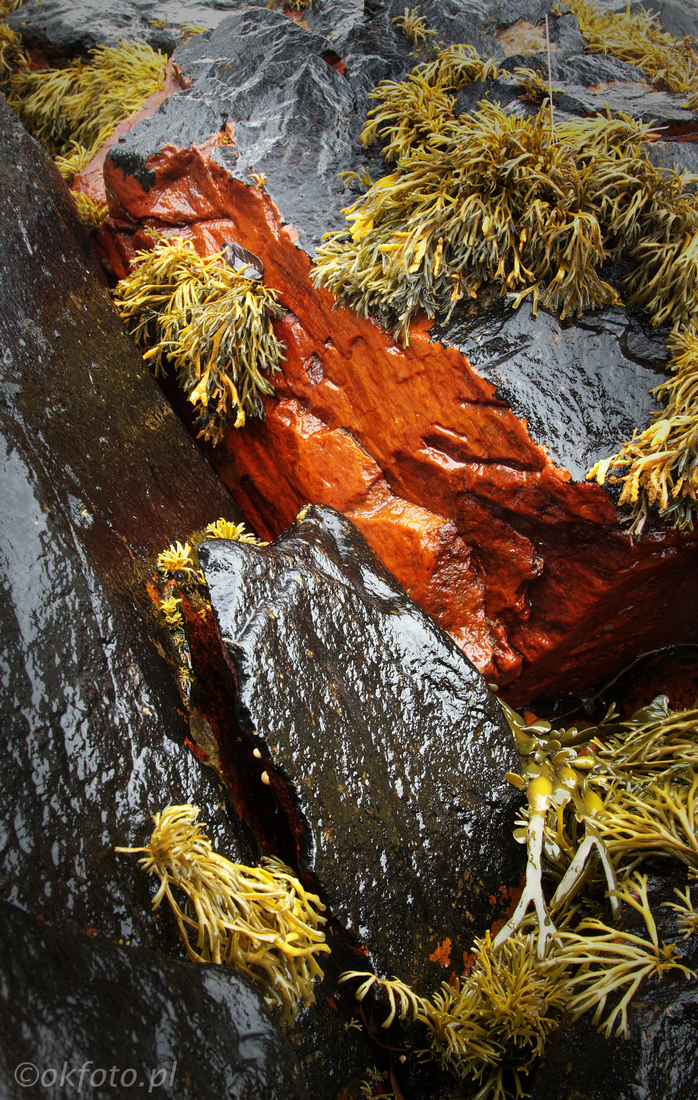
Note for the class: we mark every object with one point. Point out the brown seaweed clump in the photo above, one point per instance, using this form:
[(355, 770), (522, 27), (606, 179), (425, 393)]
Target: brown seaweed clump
[(662, 460), (493, 198), (211, 323), (602, 801), (179, 574), (259, 920), (84, 103)]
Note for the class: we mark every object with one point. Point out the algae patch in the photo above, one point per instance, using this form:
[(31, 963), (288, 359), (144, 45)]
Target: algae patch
[(211, 323)]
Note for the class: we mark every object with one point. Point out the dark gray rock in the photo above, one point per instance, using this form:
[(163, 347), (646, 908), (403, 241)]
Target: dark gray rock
[(562, 25), (639, 101), (586, 84), (384, 747), (678, 17), (97, 475), (681, 155), (63, 28), (297, 119), (657, 1061), (583, 69), (80, 1014), (579, 386)]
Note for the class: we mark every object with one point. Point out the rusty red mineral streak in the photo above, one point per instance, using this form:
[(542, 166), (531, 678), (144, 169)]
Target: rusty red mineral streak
[(529, 572)]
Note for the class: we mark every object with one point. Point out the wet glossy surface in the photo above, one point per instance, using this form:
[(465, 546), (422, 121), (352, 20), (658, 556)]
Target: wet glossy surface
[(658, 1060), (579, 387), (171, 1029), (469, 486), (96, 476), (394, 750), (66, 27)]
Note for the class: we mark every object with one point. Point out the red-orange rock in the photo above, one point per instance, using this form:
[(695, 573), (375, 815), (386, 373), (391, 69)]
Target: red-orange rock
[(529, 571)]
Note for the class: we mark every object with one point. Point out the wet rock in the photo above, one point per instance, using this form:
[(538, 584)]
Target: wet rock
[(575, 385), (636, 100), (657, 1061), (678, 17), (680, 155), (483, 514), (62, 28), (137, 1021), (586, 84), (97, 476), (377, 738), (583, 69)]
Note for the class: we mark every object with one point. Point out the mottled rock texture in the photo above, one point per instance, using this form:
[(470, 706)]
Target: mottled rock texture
[(121, 1022), (97, 476), (384, 750), (462, 457)]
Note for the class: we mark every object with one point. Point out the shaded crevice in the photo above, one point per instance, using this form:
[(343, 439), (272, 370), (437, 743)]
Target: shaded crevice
[(269, 810)]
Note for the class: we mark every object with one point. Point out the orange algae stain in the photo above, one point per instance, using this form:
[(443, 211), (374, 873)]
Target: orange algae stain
[(199, 753), (468, 960), (442, 954)]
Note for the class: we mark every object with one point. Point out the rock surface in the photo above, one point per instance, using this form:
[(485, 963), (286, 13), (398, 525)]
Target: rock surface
[(61, 28), (657, 1060), (138, 1023), (464, 471), (97, 476), (381, 743)]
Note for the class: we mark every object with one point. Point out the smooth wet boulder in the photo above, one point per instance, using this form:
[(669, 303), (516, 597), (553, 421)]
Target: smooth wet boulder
[(97, 476), (376, 737), (80, 1013)]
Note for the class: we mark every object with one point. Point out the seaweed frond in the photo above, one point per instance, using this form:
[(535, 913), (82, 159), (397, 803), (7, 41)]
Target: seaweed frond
[(661, 462), (259, 920), (189, 30), (72, 161), (414, 27), (687, 916), (84, 103), (176, 559), (491, 198), (224, 529), (12, 56), (290, 5), (659, 819), (491, 1025), (637, 37), (556, 779), (90, 212), (170, 609), (608, 960), (212, 324)]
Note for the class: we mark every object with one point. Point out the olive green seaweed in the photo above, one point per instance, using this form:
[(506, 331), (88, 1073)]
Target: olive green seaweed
[(412, 23), (487, 1027), (489, 198), (637, 37), (601, 801), (537, 212), (259, 920), (181, 575), (90, 212), (212, 324), (84, 103), (11, 55)]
